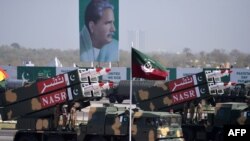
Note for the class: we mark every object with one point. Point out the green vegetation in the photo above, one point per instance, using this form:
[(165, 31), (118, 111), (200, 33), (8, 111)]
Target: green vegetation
[(15, 54)]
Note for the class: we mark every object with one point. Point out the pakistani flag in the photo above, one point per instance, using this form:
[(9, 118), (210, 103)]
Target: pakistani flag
[(145, 67)]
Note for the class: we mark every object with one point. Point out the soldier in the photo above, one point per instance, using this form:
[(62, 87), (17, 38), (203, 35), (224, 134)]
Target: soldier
[(199, 111), (191, 111), (64, 116), (73, 115)]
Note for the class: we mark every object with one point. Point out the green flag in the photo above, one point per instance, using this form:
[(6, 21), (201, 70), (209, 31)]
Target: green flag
[(144, 66)]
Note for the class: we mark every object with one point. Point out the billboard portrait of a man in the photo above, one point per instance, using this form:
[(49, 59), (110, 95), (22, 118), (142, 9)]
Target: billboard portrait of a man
[(98, 30)]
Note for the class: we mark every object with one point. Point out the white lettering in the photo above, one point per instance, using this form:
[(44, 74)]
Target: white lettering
[(192, 93), (186, 95), (45, 101), (52, 99), (231, 132), (175, 97), (236, 132), (63, 95), (243, 131), (180, 97), (57, 97)]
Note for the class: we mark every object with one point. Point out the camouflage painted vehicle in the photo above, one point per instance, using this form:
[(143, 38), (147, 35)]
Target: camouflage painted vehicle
[(45, 110), (235, 113), (112, 123), (211, 126), (161, 126), (189, 91)]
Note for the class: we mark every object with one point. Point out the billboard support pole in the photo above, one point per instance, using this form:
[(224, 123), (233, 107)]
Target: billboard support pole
[(110, 64), (130, 100)]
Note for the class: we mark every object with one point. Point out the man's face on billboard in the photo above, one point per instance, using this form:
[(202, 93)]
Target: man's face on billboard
[(102, 32)]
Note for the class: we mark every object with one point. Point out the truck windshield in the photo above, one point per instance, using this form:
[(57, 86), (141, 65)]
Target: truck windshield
[(164, 121), (169, 121)]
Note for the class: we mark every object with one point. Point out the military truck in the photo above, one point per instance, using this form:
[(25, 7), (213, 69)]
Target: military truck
[(112, 123), (44, 116), (45, 110), (50, 107), (211, 125), (184, 96)]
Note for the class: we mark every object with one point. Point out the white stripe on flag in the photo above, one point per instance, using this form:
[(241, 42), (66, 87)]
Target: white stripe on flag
[(66, 79), (197, 91), (194, 79), (70, 94)]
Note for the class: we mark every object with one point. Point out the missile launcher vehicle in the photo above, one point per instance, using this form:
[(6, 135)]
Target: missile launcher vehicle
[(45, 110), (112, 123), (184, 96)]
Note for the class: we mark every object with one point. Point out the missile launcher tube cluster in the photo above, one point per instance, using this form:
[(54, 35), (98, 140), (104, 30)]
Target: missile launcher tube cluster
[(76, 85)]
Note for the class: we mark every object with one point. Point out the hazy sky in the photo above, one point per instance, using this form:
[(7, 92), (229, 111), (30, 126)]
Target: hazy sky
[(163, 25)]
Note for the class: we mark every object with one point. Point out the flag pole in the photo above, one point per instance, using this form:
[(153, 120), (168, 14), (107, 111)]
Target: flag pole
[(130, 98)]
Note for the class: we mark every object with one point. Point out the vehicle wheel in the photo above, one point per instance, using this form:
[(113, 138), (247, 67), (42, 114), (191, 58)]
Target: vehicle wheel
[(98, 98), (55, 138), (112, 99), (119, 99), (27, 138)]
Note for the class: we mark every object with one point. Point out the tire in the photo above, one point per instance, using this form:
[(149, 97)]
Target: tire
[(98, 98), (27, 138), (112, 99), (119, 99)]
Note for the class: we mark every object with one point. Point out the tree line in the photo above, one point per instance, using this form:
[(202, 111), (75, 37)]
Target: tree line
[(15, 55)]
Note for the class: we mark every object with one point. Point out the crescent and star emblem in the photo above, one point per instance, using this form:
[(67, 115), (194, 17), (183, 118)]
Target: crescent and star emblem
[(75, 91), (199, 78), (202, 90), (72, 77), (23, 77), (147, 67)]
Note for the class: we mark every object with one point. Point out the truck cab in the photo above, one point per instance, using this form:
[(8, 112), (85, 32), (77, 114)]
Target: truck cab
[(241, 89), (236, 113), (151, 126), (112, 123)]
